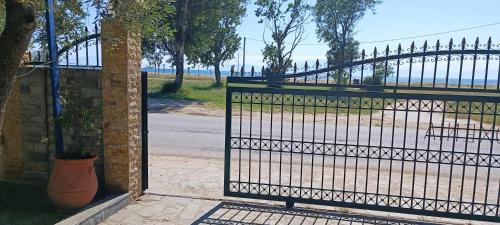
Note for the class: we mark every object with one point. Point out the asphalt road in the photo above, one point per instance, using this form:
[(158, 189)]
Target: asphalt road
[(186, 135), (181, 134), (200, 135)]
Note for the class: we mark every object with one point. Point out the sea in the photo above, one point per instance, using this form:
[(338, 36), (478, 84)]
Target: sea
[(392, 79)]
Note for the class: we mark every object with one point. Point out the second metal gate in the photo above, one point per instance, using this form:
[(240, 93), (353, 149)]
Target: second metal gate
[(411, 131)]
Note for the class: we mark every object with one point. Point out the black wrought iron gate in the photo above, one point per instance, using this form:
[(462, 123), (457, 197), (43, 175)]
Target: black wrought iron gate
[(411, 131), (144, 130)]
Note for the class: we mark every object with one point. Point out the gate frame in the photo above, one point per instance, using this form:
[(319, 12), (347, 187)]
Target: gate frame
[(275, 82)]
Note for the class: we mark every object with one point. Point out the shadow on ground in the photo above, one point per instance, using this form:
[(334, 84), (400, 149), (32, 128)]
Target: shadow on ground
[(239, 213), (22, 204), (164, 105)]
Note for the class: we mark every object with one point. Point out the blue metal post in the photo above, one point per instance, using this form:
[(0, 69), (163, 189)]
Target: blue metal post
[(54, 76)]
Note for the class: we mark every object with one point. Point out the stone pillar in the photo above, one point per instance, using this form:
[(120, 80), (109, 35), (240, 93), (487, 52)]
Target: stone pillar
[(121, 61)]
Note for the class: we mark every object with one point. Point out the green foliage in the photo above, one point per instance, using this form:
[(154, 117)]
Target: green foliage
[(152, 18), (134, 14), (79, 120), (146, 17), (215, 40), (377, 79), (2, 15), (336, 21), (69, 16), (169, 31), (157, 29), (169, 87), (70, 23), (342, 75), (370, 80), (285, 20)]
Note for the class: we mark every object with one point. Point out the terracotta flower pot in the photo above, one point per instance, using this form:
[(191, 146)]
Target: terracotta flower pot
[(73, 183)]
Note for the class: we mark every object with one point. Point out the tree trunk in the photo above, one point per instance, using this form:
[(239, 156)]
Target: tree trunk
[(217, 73), (14, 41), (179, 66), (180, 42)]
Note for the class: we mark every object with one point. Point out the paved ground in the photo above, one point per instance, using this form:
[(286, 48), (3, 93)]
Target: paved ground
[(186, 181), (188, 190)]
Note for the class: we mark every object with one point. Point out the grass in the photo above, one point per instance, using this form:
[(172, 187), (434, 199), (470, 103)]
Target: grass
[(203, 89), (22, 204), (200, 89)]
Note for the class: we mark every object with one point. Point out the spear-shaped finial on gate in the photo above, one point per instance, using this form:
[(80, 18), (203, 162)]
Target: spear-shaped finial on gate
[(262, 71), (412, 47), (232, 70), (437, 45), (489, 43), (387, 50), (375, 52), (450, 45), (242, 71), (252, 71), (317, 64), (305, 66), (363, 54), (476, 45), (295, 68), (463, 43), (399, 49), (425, 46)]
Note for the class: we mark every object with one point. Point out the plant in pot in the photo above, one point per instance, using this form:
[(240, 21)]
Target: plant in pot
[(73, 182)]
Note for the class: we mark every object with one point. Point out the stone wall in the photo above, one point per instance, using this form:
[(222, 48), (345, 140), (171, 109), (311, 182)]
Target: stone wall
[(28, 154)]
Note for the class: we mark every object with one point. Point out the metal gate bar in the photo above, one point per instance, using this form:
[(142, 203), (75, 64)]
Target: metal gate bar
[(145, 131)]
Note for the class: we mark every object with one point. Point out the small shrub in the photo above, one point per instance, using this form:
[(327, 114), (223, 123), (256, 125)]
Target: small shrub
[(169, 87), (373, 83)]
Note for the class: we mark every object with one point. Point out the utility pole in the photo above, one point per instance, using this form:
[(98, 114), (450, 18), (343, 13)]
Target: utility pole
[(54, 76), (244, 47), (238, 68)]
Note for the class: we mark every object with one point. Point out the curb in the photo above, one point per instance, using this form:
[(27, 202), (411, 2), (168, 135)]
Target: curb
[(99, 211)]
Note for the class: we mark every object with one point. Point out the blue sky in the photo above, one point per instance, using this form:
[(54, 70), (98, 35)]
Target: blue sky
[(393, 19)]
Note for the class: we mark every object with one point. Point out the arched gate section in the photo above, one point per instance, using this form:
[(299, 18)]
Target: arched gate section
[(407, 130)]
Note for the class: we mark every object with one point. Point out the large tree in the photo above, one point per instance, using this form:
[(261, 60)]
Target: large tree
[(174, 44), (20, 23), (155, 37), (336, 22), (215, 40), (285, 19)]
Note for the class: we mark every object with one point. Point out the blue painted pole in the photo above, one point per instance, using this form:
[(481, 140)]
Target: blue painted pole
[(54, 76)]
